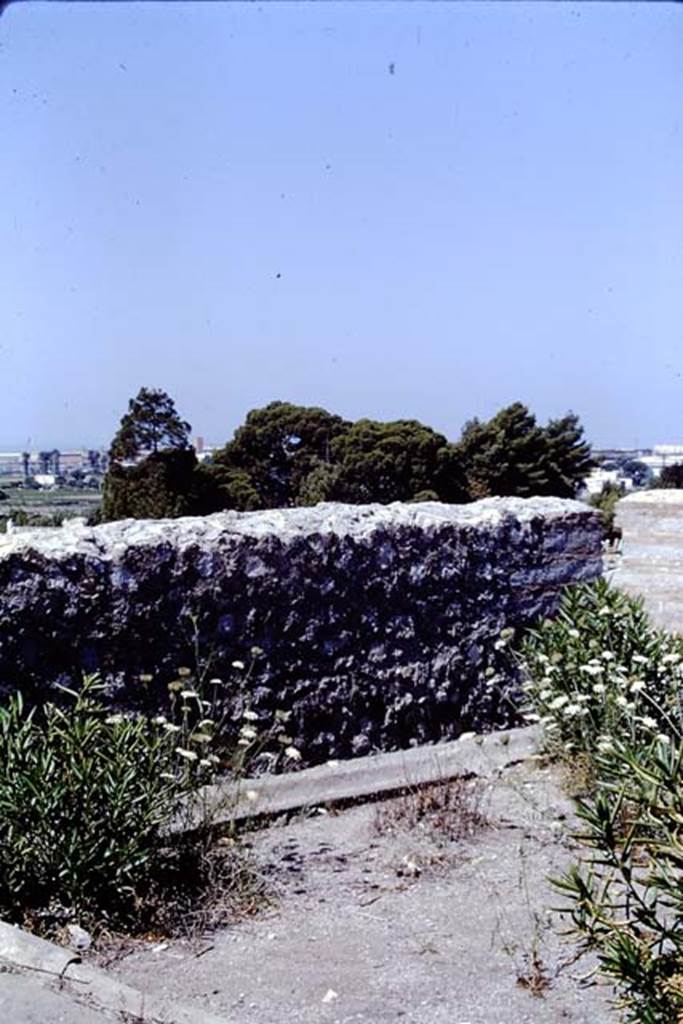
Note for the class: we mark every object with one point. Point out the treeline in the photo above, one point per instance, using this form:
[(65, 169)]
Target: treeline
[(286, 455)]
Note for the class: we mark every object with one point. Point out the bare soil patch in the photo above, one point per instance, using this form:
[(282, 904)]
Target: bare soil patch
[(391, 911)]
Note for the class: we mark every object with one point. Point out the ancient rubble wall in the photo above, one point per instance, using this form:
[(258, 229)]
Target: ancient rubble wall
[(378, 625)]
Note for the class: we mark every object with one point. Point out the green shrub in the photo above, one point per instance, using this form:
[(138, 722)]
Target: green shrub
[(606, 503), (85, 799), (600, 670), (605, 683), (625, 898)]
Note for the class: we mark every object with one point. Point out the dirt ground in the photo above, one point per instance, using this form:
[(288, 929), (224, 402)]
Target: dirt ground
[(402, 925)]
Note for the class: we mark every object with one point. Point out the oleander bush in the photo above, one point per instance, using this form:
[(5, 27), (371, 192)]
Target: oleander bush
[(92, 803), (86, 798), (600, 671), (606, 686)]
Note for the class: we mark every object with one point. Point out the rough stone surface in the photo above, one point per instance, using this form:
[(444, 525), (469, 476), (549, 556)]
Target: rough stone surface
[(377, 623), (651, 563)]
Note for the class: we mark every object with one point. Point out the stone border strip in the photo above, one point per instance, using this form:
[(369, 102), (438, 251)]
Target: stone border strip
[(89, 984), (365, 777)]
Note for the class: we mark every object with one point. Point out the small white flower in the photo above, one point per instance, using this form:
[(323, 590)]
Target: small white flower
[(205, 763), (671, 659), (605, 610), (608, 656), (591, 669), (545, 694), (621, 701), (188, 755), (292, 753), (639, 659), (637, 686), (605, 745), (200, 737), (663, 738), (238, 664), (170, 727), (159, 720), (572, 710), (206, 723), (558, 702), (574, 633), (187, 694), (599, 688), (114, 719), (529, 717), (248, 732), (216, 682), (649, 722), (250, 716)]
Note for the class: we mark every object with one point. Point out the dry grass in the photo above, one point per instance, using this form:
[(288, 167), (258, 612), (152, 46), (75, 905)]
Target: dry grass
[(449, 811), (578, 775), (196, 893), (534, 978)]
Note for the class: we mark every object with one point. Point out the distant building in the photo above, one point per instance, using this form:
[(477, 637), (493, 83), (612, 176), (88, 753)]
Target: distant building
[(663, 455), (201, 450), (597, 479), (45, 479)]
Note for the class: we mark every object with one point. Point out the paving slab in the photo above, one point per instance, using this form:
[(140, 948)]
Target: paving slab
[(23, 1000), (81, 983), (374, 775)]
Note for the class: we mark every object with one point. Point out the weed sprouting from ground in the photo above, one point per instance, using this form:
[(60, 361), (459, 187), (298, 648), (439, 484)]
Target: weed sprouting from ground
[(449, 811)]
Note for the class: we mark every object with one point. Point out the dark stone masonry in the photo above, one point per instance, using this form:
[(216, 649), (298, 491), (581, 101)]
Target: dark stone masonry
[(378, 625)]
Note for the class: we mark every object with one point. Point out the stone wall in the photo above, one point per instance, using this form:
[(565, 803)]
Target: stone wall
[(651, 561), (377, 624)]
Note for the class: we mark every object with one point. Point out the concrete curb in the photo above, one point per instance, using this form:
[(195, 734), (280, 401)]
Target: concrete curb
[(339, 781), (89, 984)]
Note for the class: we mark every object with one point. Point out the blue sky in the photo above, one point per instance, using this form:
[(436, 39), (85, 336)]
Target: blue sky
[(387, 209)]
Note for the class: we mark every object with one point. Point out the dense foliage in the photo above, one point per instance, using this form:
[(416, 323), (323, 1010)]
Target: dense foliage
[(269, 460), (671, 477), (606, 503), (151, 425), (512, 455), (396, 461), (607, 685), (84, 799), (286, 455), (153, 472)]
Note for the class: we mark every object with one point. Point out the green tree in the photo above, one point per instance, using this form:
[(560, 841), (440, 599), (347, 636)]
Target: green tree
[(504, 455), (671, 477), (151, 425), (396, 461), (153, 471), (512, 455), (568, 459), (160, 486), (274, 452)]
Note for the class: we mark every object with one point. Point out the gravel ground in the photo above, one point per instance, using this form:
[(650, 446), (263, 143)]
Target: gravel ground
[(405, 925)]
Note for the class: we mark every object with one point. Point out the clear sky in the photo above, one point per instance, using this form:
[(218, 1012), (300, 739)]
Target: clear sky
[(388, 209)]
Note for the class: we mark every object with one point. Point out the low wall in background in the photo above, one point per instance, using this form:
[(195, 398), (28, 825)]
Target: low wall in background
[(377, 624), (651, 561)]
